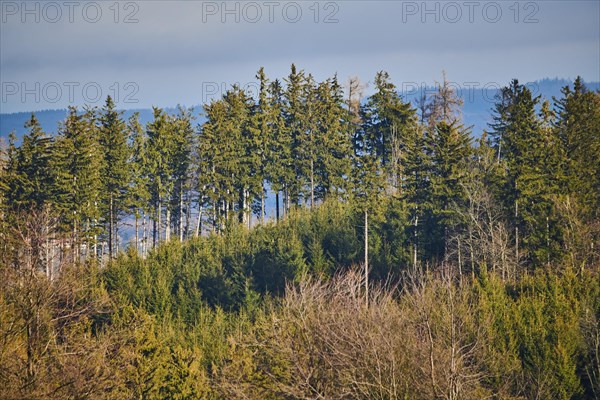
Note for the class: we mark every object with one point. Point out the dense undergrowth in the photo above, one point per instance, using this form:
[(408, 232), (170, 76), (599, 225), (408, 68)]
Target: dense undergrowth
[(269, 313)]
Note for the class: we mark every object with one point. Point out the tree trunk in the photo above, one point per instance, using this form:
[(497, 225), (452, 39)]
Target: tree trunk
[(517, 231), (312, 184), (277, 206), (180, 213), (110, 227), (144, 234), (415, 242), (168, 224), (198, 222), (366, 258), (214, 212), (137, 237), (248, 209), (188, 214), (262, 206), (159, 223)]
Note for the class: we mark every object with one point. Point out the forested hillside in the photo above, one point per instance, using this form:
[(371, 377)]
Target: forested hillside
[(404, 259)]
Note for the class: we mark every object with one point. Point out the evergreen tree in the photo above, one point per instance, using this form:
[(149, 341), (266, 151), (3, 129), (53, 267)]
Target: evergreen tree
[(115, 173), (225, 142), (78, 162), (139, 184), (29, 178), (388, 122), (295, 118), (578, 128), (334, 143), (160, 147), (416, 191), (279, 167), (522, 146), (261, 137), (180, 164), (450, 151)]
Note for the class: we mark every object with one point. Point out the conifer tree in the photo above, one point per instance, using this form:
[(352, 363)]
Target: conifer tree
[(29, 179), (388, 120), (115, 172), (416, 190), (450, 151), (78, 162), (295, 117), (334, 143), (261, 137), (139, 184), (444, 105), (224, 143), (210, 148), (522, 146), (158, 152), (180, 163), (280, 172), (578, 128)]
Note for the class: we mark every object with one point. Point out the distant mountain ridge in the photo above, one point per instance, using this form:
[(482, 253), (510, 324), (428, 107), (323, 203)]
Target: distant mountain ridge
[(478, 102), (50, 119)]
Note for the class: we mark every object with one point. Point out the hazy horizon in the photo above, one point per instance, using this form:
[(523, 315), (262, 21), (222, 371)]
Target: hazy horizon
[(56, 54)]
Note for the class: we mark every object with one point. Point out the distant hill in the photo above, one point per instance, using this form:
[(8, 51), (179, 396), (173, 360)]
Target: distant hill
[(478, 103), (50, 119)]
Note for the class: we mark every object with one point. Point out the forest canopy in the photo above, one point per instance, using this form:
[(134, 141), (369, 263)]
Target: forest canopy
[(407, 257)]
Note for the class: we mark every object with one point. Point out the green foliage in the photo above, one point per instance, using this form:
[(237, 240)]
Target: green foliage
[(278, 310)]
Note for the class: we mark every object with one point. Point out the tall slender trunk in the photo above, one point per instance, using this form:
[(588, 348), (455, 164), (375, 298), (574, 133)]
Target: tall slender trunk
[(159, 219), (312, 183), (198, 222), (168, 223), (154, 232), (110, 227), (74, 241), (180, 213), (144, 234), (517, 231), (248, 209), (366, 258), (188, 214), (277, 206), (214, 219), (262, 205), (137, 237), (242, 204), (471, 252), (415, 237)]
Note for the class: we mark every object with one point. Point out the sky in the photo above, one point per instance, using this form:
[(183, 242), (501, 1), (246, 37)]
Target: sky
[(162, 53)]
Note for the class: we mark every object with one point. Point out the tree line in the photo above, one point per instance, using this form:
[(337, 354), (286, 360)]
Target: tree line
[(479, 253), (306, 141)]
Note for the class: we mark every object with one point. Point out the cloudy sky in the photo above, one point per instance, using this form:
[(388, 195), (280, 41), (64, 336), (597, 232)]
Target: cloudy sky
[(143, 53)]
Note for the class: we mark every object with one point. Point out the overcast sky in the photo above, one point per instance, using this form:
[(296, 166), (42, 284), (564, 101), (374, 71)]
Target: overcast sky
[(164, 53)]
